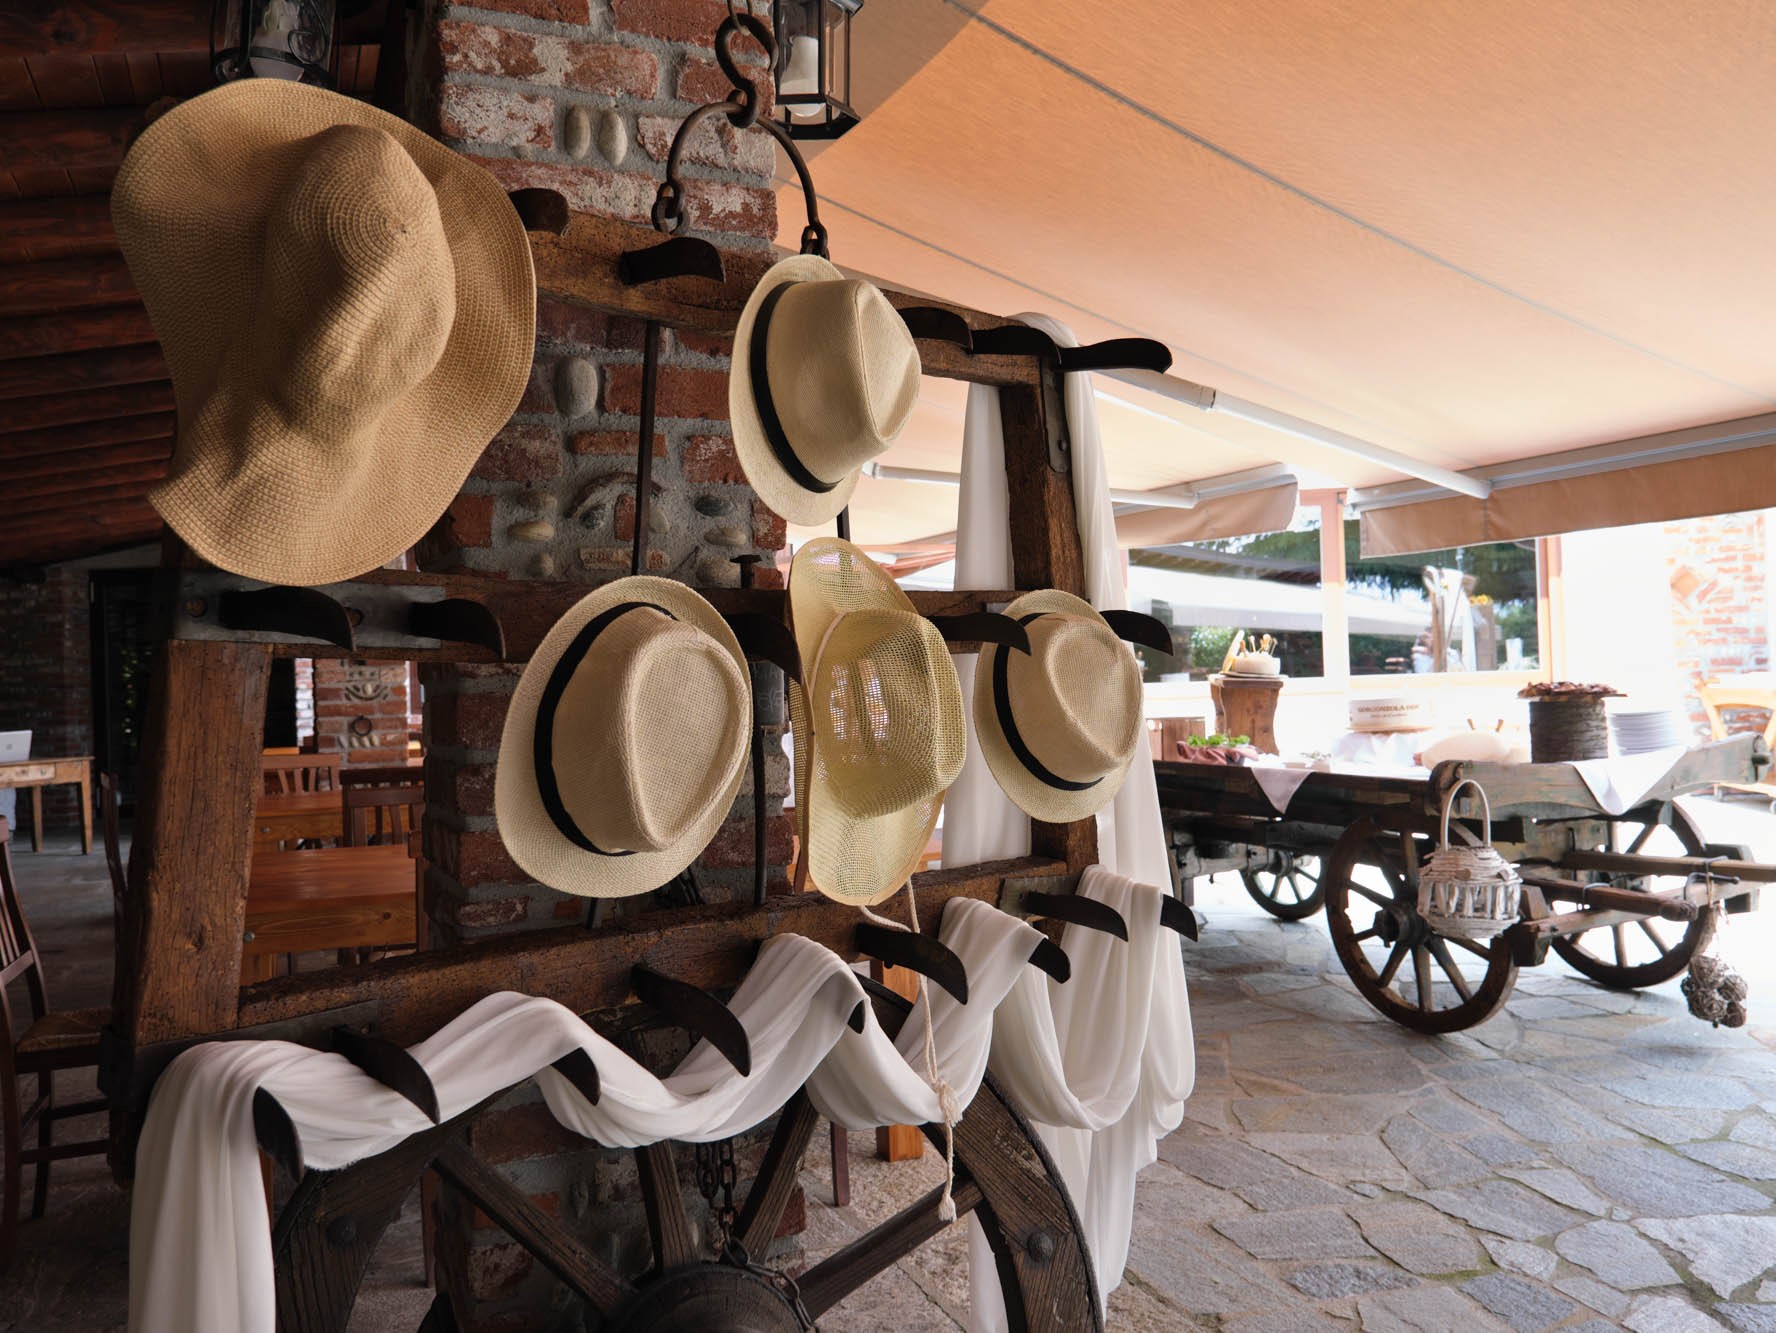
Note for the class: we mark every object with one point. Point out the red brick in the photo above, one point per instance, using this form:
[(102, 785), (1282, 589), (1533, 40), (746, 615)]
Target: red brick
[(575, 325), (523, 451), (701, 80), (769, 532), (721, 207), (617, 557), (490, 912), (471, 788), (693, 21), (767, 576), (620, 443), (714, 143), (623, 519), (795, 1215), (569, 909), (554, 11), (539, 394), (468, 522), (495, 116), (495, 1270), (626, 195), (710, 459), (682, 392), (705, 344), (732, 845), (517, 1133), (528, 57)]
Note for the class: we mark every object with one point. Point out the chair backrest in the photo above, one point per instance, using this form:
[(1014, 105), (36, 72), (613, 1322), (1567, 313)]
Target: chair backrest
[(383, 815), (285, 774), (18, 952), (108, 822), (1758, 691)]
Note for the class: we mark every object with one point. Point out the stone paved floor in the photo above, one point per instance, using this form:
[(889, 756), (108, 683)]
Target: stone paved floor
[(1586, 1160)]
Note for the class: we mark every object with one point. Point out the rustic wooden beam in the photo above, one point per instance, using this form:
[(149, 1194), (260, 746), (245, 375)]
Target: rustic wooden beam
[(103, 483), (82, 283), (194, 840), (80, 137), (58, 224), (580, 266), (87, 27), (79, 533), (49, 410), (78, 547), (589, 970), (20, 448), (103, 368), (74, 331), (89, 463)]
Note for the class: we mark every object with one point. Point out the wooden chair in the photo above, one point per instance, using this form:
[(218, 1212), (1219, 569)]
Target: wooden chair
[(284, 774), (108, 822), (375, 816), (1756, 692), (48, 1042)]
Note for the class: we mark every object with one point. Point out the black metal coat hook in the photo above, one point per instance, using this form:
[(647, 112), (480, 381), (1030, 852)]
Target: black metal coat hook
[(276, 1133), (767, 639), (937, 324), (1176, 914), (675, 257), (1111, 354), (1052, 959), (390, 1065), (578, 1069), (542, 210), (1078, 910), (983, 627), (306, 612), (1137, 627), (919, 953), (698, 1010), (459, 620)]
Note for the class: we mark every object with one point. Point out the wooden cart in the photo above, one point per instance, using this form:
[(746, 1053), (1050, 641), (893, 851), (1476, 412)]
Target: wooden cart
[(1625, 899)]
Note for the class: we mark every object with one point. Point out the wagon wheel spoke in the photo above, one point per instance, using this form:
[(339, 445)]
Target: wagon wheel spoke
[(843, 1272), (1380, 900), (1440, 948), (1658, 940), (776, 1181), (1369, 934), (1421, 969), (1620, 933), (1385, 977), (668, 1227), (1478, 950), (1645, 834)]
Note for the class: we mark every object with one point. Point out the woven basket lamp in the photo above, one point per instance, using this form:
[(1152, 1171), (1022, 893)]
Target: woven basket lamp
[(1472, 892)]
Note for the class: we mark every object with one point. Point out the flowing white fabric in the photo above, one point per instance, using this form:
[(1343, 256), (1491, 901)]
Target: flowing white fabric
[(1099, 1162), (1278, 782), (1620, 783), (200, 1241)]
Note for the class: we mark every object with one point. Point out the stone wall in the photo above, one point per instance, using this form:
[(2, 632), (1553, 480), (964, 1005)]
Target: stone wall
[(582, 96), (1720, 606), (46, 676)]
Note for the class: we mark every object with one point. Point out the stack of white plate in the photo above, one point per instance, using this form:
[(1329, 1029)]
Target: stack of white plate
[(1641, 729)]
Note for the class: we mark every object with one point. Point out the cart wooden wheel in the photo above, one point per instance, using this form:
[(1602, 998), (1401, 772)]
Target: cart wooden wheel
[(326, 1233), (1418, 978), (1631, 954), (1287, 886)]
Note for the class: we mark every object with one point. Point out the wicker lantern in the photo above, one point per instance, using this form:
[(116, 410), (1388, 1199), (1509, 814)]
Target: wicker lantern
[(1471, 892)]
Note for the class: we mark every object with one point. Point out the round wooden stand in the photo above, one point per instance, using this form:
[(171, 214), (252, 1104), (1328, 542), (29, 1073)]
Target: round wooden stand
[(1561, 730), (1247, 706)]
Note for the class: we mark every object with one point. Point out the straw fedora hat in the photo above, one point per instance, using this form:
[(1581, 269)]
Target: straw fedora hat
[(1059, 727), (878, 724), (348, 311), (824, 376), (625, 741)]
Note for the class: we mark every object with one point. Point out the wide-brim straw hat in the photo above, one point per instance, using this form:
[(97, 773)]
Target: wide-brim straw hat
[(1060, 725), (823, 378), (625, 742), (878, 724), (349, 314)]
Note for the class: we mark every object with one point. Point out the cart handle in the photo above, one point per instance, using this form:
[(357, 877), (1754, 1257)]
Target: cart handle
[(1449, 804)]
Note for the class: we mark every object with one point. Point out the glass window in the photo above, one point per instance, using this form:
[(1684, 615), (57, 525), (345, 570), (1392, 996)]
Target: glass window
[(1209, 591), (1472, 608)]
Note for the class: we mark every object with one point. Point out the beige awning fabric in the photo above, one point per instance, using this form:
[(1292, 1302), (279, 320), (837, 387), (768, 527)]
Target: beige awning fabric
[(1268, 510), (1646, 493)]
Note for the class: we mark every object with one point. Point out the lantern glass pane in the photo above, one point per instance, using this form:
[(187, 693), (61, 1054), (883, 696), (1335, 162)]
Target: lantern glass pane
[(278, 39)]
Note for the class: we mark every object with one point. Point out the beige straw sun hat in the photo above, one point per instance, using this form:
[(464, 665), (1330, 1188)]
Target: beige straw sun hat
[(625, 741), (878, 725), (824, 377), (348, 311), (1059, 726)]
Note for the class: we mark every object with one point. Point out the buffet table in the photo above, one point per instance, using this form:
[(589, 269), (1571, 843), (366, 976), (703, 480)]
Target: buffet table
[(36, 774)]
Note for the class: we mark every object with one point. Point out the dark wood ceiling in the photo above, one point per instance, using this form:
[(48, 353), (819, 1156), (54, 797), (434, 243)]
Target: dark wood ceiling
[(86, 410)]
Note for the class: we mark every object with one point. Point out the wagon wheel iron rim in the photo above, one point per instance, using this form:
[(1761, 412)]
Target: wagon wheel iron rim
[(323, 1239), (1407, 971), (1630, 955), (1286, 886)]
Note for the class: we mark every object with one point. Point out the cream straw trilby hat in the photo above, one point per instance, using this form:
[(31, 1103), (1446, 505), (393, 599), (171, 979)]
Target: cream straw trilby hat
[(824, 377), (349, 314), (625, 741), (1059, 726), (878, 724)]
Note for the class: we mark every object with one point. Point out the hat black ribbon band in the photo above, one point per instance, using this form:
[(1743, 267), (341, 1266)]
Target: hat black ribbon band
[(543, 734), (1008, 724), (769, 421)]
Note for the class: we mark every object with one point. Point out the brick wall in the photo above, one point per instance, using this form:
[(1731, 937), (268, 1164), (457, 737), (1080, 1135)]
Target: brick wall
[(46, 676), (1723, 626), (581, 96), (360, 708)]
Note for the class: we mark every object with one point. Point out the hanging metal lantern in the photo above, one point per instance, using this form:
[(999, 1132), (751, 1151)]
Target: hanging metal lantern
[(275, 39), (814, 67)]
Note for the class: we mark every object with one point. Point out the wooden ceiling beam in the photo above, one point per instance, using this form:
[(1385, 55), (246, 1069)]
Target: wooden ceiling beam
[(19, 446), (83, 137), (67, 409), (74, 331), (101, 369), (81, 534), (88, 463), (86, 283), (86, 27), (66, 224), (76, 513), (97, 485)]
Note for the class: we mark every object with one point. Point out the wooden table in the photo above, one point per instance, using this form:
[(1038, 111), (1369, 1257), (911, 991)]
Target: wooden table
[(331, 898), (292, 816), (73, 770)]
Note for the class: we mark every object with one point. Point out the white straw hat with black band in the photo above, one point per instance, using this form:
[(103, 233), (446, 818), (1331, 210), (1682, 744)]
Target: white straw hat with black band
[(625, 742), (1060, 725), (823, 378)]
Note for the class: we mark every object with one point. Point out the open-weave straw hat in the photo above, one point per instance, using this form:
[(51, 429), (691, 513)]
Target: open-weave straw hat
[(625, 741), (349, 314), (1059, 727), (824, 376), (878, 725)]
